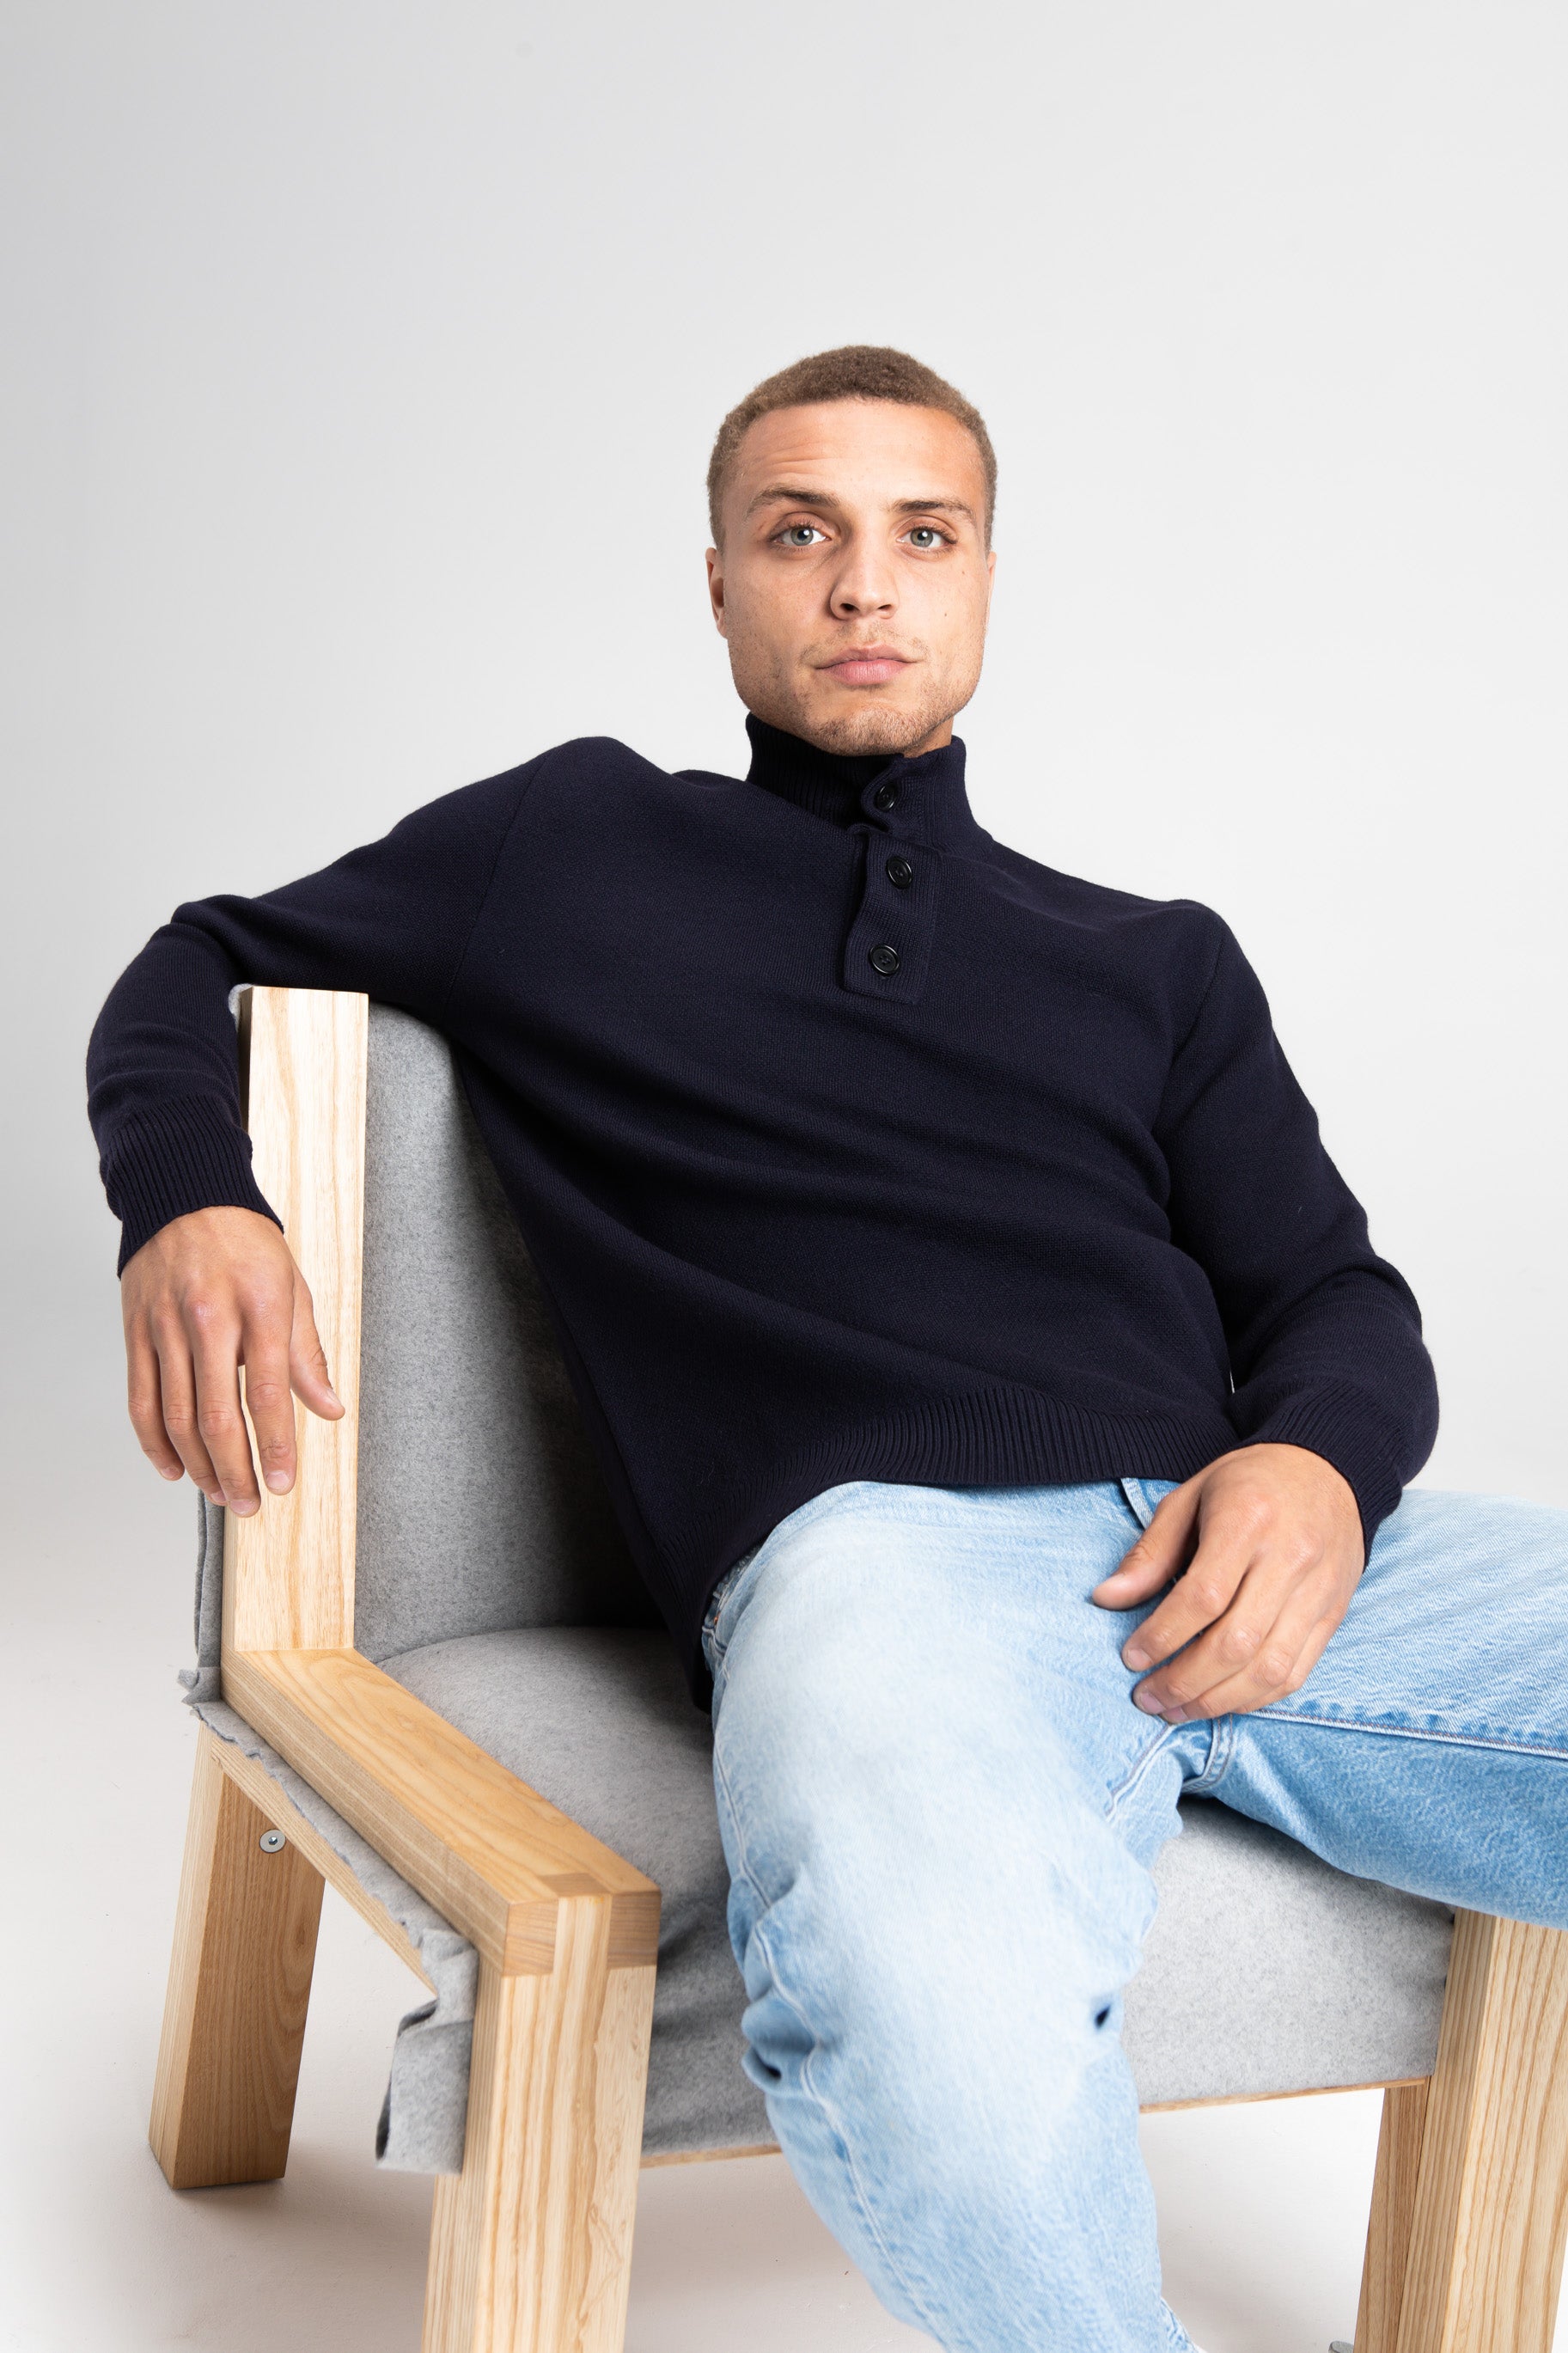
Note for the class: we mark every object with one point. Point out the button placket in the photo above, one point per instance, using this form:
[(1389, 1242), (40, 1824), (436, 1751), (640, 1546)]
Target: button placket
[(889, 946)]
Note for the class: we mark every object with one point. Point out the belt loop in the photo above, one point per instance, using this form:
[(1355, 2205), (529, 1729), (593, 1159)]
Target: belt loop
[(1138, 1503)]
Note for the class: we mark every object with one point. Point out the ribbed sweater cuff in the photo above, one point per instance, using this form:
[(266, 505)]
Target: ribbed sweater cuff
[(1347, 1430), (188, 1154)]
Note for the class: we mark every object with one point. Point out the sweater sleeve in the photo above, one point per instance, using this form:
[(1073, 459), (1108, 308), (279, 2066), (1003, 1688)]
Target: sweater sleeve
[(1324, 1336), (391, 919)]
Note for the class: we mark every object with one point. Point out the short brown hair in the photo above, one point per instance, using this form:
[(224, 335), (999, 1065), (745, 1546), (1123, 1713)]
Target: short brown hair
[(853, 372)]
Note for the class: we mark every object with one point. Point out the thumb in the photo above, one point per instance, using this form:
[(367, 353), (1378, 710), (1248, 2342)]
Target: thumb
[(1158, 1555), (307, 1373)]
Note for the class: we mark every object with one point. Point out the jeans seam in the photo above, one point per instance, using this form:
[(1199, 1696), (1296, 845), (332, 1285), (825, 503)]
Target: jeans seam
[(1119, 1790), (712, 1648), (745, 1871), (1412, 1732), (830, 2118), (760, 1935), (1221, 1757)]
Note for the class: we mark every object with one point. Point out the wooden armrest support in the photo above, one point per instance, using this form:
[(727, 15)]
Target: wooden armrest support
[(281, 1814), (491, 1853)]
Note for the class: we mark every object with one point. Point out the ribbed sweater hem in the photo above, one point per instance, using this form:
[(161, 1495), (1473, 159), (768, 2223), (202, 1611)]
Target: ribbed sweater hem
[(1002, 1437)]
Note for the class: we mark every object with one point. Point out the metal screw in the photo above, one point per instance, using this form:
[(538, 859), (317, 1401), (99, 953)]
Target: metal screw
[(1341, 2345), (272, 1842)]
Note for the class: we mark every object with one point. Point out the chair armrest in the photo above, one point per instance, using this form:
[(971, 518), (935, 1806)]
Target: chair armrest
[(491, 1853)]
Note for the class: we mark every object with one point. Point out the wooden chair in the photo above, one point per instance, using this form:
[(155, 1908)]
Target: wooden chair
[(1267, 1974)]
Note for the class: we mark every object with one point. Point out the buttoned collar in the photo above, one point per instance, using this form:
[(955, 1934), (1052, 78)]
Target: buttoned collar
[(922, 799)]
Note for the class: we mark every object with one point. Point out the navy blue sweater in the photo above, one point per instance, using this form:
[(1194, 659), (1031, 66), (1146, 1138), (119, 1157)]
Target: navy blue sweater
[(848, 1143)]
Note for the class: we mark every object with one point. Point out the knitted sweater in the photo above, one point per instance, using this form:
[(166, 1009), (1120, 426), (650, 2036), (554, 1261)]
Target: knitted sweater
[(848, 1143)]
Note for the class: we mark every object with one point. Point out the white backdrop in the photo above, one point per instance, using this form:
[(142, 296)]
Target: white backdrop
[(366, 360), (361, 366)]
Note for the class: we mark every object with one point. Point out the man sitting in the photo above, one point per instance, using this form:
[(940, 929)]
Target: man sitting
[(992, 1373)]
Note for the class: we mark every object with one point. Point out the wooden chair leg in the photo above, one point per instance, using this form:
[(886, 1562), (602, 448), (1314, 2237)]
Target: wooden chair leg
[(1393, 2213), (531, 2245), (1488, 2205), (233, 2018)]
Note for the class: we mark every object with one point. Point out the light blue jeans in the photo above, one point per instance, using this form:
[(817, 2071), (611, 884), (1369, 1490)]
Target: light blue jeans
[(940, 1805)]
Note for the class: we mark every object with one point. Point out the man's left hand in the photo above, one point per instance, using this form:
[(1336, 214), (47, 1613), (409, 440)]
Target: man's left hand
[(1264, 1547)]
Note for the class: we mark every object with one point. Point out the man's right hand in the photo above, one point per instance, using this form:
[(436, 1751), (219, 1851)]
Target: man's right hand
[(209, 1293)]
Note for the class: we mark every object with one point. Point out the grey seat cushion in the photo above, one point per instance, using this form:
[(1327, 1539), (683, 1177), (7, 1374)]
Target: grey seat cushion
[(1266, 1970)]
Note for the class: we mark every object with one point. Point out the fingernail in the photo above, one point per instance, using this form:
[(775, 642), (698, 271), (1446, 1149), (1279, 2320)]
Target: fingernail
[(173, 1474), (278, 1481), (1135, 1659), (1147, 1701), (1175, 1715), (244, 1505)]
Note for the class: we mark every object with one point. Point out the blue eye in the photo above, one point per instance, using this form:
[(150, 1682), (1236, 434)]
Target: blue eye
[(925, 536), (800, 534)]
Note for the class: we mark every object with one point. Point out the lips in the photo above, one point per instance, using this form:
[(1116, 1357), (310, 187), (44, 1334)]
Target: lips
[(866, 668)]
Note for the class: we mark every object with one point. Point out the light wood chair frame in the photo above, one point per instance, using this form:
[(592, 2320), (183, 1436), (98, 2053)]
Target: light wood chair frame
[(531, 2244)]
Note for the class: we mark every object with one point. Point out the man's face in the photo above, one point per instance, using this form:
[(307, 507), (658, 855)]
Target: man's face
[(854, 581)]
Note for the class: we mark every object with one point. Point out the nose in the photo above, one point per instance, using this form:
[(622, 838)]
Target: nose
[(865, 586)]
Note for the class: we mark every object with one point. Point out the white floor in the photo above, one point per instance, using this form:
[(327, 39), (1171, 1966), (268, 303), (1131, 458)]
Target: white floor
[(1262, 2208)]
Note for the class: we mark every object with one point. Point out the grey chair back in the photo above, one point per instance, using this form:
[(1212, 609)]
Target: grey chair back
[(481, 1507)]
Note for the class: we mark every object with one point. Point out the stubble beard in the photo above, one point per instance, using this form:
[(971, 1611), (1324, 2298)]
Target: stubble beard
[(869, 726), (862, 724)]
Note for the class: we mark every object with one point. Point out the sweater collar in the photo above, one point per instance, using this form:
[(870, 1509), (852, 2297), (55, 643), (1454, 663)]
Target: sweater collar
[(930, 803)]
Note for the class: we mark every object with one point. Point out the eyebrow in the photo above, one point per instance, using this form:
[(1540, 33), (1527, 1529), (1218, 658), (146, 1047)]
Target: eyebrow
[(796, 495)]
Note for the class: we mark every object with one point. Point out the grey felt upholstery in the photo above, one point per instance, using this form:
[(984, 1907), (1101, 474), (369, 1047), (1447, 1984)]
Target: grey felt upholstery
[(493, 1582), (600, 1721), (480, 1505), (1267, 1971)]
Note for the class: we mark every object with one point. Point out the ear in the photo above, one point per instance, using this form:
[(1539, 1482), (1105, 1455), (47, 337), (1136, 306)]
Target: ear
[(715, 563)]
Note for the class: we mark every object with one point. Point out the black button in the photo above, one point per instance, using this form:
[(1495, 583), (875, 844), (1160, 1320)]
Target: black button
[(900, 873), (885, 960), (886, 796)]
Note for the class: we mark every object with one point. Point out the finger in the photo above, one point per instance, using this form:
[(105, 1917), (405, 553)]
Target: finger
[(1272, 1591), (268, 1397), (1286, 1656), (308, 1360), (144, 1399), (177, 1390), (1225, 1701), (1201, 1596), (219, 1414), (1159, 1555)]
